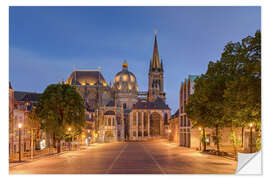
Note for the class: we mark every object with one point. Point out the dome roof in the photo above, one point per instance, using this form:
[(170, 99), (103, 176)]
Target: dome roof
[(86, 77), (125, 80)]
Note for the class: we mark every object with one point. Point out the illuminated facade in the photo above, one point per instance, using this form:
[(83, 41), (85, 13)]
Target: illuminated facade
[(113, 106)]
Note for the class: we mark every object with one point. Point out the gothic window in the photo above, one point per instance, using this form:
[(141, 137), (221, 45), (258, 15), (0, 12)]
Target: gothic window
[(145, 120), (165, 118), (188, 122), (139, 119), (109, 123)]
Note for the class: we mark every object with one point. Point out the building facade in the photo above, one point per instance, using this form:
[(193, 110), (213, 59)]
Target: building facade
[(120, 111), (22, 104), (173, 130)]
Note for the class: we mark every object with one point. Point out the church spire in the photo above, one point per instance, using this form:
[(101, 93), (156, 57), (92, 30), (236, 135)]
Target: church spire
[(155, 61)]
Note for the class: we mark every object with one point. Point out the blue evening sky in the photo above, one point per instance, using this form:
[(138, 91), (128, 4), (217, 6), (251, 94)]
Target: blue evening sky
[(45, 42)]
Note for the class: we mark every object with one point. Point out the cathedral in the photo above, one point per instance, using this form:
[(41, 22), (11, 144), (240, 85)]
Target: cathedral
[(119, 111)]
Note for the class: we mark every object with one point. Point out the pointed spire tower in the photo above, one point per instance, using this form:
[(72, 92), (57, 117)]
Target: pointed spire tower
[(155, 75), (155, 62)]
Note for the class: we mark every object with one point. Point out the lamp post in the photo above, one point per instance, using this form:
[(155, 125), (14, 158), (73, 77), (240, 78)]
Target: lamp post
[(70, 145), (250, 125), (200, 129), (20, 126), (88, 137)]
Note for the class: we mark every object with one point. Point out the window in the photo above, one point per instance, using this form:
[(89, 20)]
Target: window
[(109, 123), (124, 105)]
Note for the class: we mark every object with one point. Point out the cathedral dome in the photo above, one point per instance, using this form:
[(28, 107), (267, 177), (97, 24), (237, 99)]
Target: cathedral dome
[(125, 81), (86, 77)]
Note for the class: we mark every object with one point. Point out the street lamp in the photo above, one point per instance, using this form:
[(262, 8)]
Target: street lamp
[(20, 126), (88, 141), (70, 144), (250, 125)]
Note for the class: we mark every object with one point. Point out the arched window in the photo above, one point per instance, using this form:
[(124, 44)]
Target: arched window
[(109, 123), (124, 105), (165, 118)]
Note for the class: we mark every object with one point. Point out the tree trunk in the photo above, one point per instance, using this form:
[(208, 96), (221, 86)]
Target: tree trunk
[(204, 143), (58, 145), (32, 143), (234, 143), (242, 137), (217, 138)]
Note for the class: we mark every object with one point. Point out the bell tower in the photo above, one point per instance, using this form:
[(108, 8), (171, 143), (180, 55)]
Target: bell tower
[(155, 76)]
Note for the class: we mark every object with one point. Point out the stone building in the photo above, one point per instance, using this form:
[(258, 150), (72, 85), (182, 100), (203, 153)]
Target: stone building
[(185, 126), (113, 107), (147, 120), (22, 104), (173, 130)]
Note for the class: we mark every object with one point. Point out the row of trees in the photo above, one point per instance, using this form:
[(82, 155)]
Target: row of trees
[(59, 112), (229, 93)]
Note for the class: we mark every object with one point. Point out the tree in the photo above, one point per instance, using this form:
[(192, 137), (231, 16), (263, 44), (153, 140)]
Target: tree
[(243, 90), (229, 93), (60, 107), (34, 125), (196, 108)]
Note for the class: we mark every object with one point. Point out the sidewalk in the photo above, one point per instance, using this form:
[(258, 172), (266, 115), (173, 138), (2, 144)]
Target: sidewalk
[(226, 151), (14, 163)]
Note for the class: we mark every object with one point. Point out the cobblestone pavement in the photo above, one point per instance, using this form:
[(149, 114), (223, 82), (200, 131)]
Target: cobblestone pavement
[(130, 158)]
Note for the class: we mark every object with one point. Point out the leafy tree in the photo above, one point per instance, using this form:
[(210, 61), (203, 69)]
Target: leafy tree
[(34, 126), (229, 93), (205, 106), (243, 90), (60, 107), (196, 108)]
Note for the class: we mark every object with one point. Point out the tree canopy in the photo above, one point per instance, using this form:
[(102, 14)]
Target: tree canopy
[(60, 107), (229, 93)]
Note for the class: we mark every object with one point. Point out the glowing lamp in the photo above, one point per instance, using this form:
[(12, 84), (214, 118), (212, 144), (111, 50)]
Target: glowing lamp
[(20, 125)]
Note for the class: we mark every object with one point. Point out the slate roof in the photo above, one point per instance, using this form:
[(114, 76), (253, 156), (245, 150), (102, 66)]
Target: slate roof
[(192, 77), (79, 77), (109, 113), (26, 96), (157, 104), (176, 114), (127, 111), (111, 104)]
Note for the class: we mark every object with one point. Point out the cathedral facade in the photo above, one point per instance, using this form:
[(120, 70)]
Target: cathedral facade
[(120, 111)]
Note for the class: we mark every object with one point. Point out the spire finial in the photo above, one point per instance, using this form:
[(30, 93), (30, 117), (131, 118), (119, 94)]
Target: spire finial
[(155, 31), (125, 64)]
